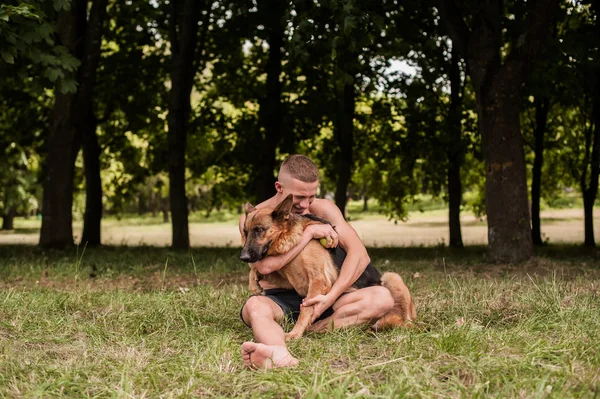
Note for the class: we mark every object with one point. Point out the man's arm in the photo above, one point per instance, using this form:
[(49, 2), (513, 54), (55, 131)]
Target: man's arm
[(357, 258), (273, 263)]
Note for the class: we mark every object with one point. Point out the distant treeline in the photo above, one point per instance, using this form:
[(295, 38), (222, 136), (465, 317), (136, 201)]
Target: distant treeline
[(181, 105)]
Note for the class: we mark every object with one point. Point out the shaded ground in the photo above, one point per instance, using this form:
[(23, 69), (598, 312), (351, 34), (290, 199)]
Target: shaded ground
[(428, 229)]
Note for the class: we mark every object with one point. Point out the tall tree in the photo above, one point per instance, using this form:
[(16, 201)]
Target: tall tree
[(455, 150), (183, 36), (271, 112), (479, 34), (579, 107), (542, 106), (82, 38), (591, 164), (543, 90), (86, 123), (352, 39), (345, 104)]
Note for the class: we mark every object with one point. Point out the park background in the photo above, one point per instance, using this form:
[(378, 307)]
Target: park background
[(460, 138)]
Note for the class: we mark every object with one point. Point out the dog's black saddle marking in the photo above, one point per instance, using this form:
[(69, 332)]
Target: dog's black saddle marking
[(370, 276), (316, 218)]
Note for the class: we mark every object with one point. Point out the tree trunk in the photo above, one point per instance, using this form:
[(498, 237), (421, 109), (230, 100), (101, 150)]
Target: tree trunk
[(93, 186), (509, 230), (183, 45), (541, 119), (8, 219), (588, 218), (165, 213), (57, 202), (589, 187), (271, 109), (63, 142), (86, 124), (154, 203), (455, 152), (454, 202), (141, 205), (344, 134), (497, 80), (70, 119)]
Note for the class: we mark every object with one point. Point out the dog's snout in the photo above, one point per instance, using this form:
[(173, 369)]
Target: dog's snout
[(247, 255)]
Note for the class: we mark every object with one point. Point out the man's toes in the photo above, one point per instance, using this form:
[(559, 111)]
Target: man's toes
[(248, 347)]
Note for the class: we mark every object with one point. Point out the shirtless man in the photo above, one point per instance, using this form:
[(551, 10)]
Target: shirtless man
[(298, 175)]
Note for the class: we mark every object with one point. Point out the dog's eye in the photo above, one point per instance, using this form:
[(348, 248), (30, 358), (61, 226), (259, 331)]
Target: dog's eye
[(259, 229)]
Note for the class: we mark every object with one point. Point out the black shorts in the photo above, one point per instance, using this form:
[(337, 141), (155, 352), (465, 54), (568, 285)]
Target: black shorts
[(289, 301)]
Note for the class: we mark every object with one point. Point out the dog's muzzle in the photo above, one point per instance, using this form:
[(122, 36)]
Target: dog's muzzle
[(249, 256)]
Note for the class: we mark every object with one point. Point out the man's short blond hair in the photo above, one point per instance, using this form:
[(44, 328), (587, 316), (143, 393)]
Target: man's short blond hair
[(301, 168)]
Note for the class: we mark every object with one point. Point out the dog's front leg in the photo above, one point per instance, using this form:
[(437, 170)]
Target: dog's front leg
[(302, 323), (306, 312), (253, 279)]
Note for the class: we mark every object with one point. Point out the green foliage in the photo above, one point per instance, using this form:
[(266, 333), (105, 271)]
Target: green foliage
[(23, 117), (28, 47), (18, 178), (402, 135)]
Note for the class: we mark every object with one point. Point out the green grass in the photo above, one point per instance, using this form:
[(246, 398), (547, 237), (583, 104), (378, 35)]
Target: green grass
[(148, 322)]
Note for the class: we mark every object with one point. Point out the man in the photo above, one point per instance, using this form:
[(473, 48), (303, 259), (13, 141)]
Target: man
[(298, 175)]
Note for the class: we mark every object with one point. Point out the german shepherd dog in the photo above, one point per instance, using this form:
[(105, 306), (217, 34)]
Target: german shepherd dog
[(276, 231)]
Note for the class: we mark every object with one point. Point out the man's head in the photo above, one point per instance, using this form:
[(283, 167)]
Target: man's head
[(299, 176)]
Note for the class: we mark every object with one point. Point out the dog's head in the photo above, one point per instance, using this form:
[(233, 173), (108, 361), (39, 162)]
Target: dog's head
[(261, 228)]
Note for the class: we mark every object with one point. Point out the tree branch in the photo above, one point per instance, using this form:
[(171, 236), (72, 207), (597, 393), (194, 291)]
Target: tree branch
[(455, 23)]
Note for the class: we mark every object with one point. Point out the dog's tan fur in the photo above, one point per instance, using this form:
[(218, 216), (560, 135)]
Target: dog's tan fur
[(312, 272)]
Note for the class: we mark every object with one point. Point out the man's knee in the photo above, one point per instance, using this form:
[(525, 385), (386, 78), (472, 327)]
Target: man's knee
[(257, 307), (380, 301)]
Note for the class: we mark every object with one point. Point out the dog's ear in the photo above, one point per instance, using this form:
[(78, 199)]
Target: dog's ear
[(248, 208), (284, 208)]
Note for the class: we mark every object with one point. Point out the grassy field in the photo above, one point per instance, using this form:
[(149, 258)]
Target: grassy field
[(148, 322)]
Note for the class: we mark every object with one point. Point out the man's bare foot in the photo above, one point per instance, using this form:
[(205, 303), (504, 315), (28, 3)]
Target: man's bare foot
[(261, 356)]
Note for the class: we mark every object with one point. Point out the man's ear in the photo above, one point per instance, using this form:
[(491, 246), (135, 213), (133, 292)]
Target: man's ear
[(248, 208), (284, 208), (278, 187)]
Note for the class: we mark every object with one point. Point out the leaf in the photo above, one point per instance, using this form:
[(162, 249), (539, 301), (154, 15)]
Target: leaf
[(67, 86), (7, 57), (53, 74), (45, 30), (349, 24), (62, 5), (35, 55)]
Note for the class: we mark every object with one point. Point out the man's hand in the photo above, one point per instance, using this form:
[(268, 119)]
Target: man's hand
[(318, 231), (321, 303)]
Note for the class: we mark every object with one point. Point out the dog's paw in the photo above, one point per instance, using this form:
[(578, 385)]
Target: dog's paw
[(257, 291), (291, 336)]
